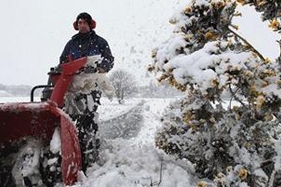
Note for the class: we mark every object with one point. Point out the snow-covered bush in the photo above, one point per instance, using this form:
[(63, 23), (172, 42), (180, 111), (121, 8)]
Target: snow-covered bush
[(227, 124)]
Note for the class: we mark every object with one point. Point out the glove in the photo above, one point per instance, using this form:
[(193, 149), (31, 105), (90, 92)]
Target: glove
[(89, 69), (100, 70)]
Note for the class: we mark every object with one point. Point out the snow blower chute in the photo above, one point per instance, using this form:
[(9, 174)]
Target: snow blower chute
[(38, 120)]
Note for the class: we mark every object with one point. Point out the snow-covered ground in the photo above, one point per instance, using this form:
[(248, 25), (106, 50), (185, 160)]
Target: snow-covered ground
[(136, 162), (5, 99)]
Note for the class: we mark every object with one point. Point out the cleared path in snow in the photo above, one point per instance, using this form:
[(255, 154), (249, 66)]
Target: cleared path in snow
[(125, 126)]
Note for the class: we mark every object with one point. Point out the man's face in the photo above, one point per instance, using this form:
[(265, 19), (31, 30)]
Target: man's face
[(83, 26)]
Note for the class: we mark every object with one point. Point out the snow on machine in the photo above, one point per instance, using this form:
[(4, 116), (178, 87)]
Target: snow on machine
[(30, 132)]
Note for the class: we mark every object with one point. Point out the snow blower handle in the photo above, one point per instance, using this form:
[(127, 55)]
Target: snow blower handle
[(68, 71)]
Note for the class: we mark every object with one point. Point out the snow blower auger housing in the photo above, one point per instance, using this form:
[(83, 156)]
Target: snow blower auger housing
[(40, 119)]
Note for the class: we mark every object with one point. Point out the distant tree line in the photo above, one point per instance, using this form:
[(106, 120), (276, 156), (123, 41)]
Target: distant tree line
[(16, 90), (148, 91), (157, 91)]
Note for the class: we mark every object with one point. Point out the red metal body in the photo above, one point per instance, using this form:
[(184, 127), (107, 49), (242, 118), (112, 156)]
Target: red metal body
[(39, 119)]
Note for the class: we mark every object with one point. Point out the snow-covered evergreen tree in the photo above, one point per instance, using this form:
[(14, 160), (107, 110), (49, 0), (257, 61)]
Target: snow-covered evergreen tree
[(233, 143)]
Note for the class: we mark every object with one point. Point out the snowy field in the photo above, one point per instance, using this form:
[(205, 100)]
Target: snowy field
[(134, 161), (16, 99), (130, 158)]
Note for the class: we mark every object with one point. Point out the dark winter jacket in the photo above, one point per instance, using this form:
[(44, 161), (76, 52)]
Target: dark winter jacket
[(88, 44)]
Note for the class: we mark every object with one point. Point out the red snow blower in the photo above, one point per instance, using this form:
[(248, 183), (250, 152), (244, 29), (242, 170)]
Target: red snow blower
[(39, 119)]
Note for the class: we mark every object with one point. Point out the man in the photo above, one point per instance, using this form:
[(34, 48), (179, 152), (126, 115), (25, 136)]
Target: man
[(87, 43)]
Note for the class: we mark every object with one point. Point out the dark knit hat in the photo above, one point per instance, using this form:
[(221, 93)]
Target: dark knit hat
[(87, 17)]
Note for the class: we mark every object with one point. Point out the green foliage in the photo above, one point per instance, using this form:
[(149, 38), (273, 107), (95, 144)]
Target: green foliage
[(235, 144)]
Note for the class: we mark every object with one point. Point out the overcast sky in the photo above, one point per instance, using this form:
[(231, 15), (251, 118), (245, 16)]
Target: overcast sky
[(34, 32)]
